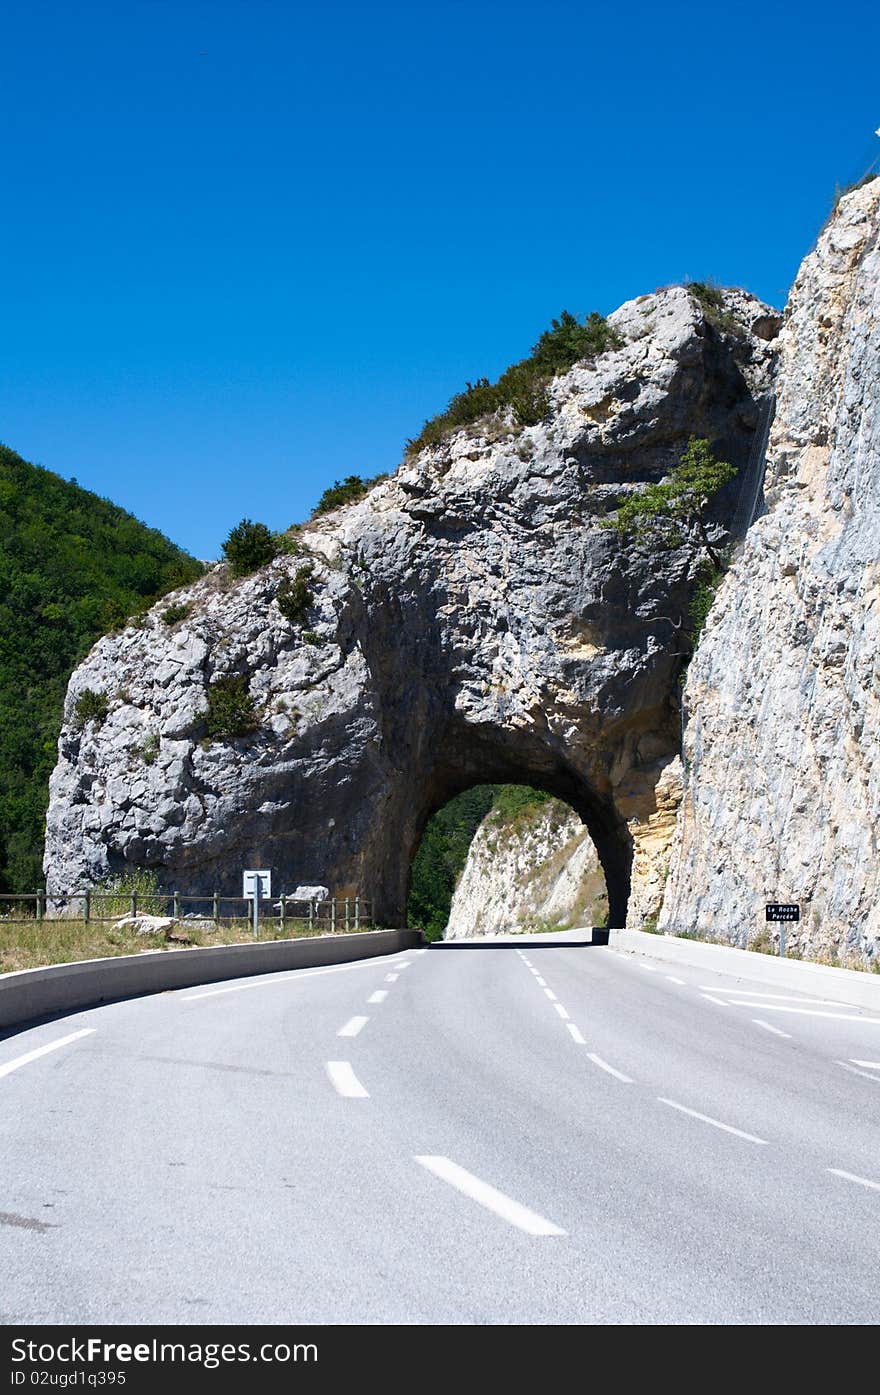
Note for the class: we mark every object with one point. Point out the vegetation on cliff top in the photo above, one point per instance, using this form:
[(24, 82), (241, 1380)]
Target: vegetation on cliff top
[(522, 386), (72, 566)]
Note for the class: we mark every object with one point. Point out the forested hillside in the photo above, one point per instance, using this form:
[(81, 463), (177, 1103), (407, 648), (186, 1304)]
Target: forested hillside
[(72, 566)]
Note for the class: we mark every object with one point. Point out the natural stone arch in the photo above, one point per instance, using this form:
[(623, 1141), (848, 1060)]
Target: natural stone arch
[(474, 624)]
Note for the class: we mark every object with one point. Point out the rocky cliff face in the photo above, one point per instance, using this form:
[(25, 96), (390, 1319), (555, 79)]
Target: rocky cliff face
[(782, 793), (536, 872), (471, 623)]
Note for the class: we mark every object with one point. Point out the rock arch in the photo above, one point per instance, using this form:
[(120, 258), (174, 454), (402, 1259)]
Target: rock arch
[(472, 622)]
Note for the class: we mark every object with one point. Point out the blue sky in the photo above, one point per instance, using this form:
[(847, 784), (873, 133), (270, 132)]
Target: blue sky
[(248, 247)]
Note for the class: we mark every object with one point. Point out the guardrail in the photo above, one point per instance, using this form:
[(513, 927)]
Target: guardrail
[(339, 913)]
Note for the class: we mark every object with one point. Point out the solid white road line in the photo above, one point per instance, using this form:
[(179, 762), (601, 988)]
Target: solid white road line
[(575, 1034), (810, 1012), (345, 1082), (9, 1066), (719, 1002), (851, 1177), (768, 1027), (716, 1123), (779, 997), (352, 1026), (869, 1065), (485, 1195), (379, 996), (670, 978), (548, 993), (296, 977), (865, 1074), (561, 1010), (603, 1065)]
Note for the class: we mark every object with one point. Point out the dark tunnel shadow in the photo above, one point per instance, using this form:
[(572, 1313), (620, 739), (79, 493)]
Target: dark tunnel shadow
[(532, 944)]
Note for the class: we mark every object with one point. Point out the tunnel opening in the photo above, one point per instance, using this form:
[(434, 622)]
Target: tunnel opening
[(505, 857)]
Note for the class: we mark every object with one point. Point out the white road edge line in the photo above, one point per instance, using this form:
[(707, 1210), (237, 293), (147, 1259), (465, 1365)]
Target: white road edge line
[(780, 997), (352, 1026), (869, 1065), (851, 1177), (345, 1082), (768, 1027), (271, 980), (561, 1010), (379, 996), (649, 968), (865, 1074), (809, 1012), (9, 1066), (485, 1195), (575, 1034), (718, 1001), (707, 1119), (603, 1065), (670, 978)]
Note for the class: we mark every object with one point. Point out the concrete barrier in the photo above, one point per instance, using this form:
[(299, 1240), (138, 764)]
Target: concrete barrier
[(62, 988), (849, 986)]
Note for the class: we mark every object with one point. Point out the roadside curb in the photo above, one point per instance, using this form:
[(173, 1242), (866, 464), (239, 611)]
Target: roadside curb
[(848, 986), (29, 994)]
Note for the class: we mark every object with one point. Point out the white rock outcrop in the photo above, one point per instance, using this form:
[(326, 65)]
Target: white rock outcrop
[(534, 872), (782, 741)]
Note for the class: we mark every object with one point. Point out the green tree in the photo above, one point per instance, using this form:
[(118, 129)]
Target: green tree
[(249, 546), (671, 512), (72, 566)]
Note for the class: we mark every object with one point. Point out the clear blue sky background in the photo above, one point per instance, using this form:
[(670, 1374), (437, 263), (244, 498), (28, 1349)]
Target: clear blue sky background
[(249, 247)]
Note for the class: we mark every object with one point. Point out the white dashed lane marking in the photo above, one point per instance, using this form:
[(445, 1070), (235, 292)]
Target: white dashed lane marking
[(352, 1026), (575, 1034), (768, 1027), (344, 1081), (603, 1065), (851, 1177), (707, 1119), (513, 1212)]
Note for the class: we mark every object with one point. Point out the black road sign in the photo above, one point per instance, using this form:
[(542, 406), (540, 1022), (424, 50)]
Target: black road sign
[(777, 911)]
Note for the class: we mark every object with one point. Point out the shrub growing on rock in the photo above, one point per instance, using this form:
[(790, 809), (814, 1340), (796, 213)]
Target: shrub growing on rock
[(343, 492), (231, 710), (294, 597), (91, 707), (249, 546), (175, 613)]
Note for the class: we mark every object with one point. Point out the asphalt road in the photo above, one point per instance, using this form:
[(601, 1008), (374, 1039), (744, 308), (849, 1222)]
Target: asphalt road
[(518, 1131)]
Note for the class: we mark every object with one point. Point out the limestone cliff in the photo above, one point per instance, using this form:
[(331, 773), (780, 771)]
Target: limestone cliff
[(471, 622), (534, 872), (782, 793)]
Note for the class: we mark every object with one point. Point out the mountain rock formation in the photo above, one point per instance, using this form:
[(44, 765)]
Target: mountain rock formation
[(782, 783), (535, 872), (470, 622)]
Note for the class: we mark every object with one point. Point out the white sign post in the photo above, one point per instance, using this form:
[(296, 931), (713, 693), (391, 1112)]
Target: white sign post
[(256, 885)]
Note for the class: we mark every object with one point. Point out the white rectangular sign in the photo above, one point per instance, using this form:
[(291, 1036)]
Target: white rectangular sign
[(257, 884)]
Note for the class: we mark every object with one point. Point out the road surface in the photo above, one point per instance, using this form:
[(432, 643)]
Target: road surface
[(528, 1130)]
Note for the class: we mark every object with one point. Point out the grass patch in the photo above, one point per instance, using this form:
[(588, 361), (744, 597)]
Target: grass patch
[(31, 944)]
